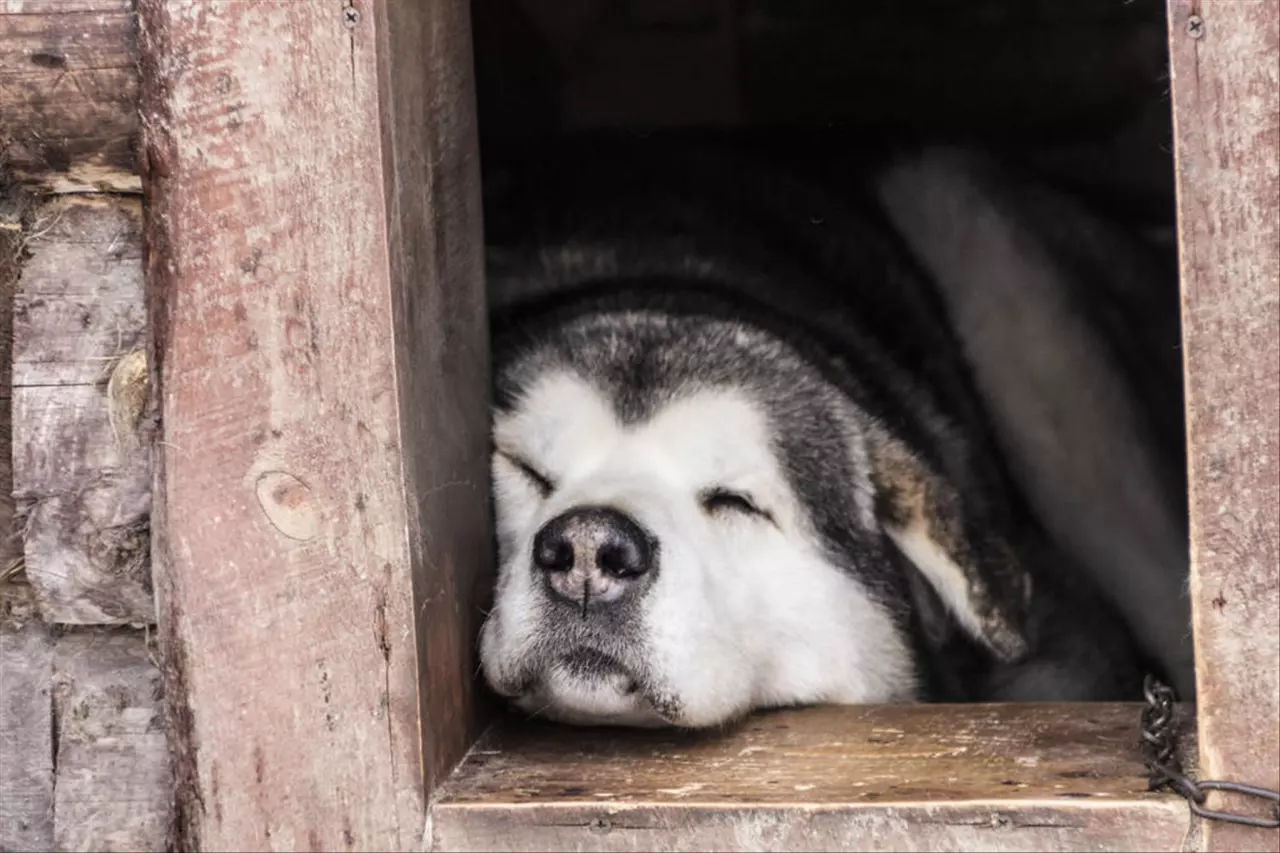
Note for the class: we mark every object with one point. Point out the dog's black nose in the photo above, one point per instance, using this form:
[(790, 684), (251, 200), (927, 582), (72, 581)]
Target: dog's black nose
[(593, 553)]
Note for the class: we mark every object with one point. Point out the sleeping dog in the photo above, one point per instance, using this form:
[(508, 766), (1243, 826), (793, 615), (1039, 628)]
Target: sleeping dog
[(758, 442)]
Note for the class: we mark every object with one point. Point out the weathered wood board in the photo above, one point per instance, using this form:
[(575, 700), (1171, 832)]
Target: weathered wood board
[(112, 789), (1226, 90), (12, 208), (26, 731), (68, 94), (319, 528), (81, 451), (1012, 777)]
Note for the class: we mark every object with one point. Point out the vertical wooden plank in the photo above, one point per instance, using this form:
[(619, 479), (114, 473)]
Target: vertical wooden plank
[(112, 788), (26, 730), (314, 281), (1225, 57), (82, 477), (433, 214), (12, 208)]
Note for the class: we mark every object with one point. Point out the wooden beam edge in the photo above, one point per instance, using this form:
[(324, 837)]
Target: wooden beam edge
[(917, 777), (154, 46), (1138, 823)]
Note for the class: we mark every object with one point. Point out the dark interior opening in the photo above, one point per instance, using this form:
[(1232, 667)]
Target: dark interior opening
[(1077, 92)]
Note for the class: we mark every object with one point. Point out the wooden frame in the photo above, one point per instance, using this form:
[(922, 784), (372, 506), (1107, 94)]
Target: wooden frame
[(318, 356), (1225, 63), (319, 540)]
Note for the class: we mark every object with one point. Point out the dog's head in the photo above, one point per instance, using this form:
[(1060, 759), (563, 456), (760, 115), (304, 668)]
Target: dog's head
[(690, 527)]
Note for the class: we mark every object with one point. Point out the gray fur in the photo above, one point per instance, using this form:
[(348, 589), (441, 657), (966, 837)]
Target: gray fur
[(653, 274)]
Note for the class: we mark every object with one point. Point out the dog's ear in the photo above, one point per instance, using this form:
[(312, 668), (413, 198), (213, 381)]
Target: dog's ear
[(973, 569)]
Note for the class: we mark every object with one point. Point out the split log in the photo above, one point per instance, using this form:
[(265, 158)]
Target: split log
[(81, 451), (112, 788), (68, 94), (26, 732)]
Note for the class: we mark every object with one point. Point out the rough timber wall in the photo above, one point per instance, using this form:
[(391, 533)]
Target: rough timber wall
[(85, 763)]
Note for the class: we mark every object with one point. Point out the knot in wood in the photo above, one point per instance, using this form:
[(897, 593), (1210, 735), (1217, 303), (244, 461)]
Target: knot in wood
[(289, 505)]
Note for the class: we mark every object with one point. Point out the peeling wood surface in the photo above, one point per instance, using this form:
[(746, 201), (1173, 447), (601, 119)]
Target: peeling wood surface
[(1226, 90), (1012, 777), (112, 790), (83, 759), (68, 94), (26, 733), (82, 480), (321, 483)]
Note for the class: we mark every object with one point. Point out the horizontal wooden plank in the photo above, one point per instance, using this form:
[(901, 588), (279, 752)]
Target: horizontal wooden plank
[(1226, 91), (112, 789), (48, 7), (68, 94), (80, 301), (988, 826), (26, 731), (1011, 777), (82, 479)]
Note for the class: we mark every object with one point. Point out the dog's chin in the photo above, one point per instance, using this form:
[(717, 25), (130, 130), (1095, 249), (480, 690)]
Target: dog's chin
[(576, 696)]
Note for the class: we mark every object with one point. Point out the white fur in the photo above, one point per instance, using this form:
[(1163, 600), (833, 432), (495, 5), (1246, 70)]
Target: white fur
[(947, 579), (741, 614)]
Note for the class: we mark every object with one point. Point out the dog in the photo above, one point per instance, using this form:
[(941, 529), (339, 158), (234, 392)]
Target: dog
[(764, 439)]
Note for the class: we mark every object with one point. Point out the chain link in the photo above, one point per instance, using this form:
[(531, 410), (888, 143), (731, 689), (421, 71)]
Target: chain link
[(1159, 748)]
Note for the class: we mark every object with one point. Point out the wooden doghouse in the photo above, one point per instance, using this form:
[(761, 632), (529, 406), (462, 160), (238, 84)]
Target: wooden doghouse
[(241, 244)]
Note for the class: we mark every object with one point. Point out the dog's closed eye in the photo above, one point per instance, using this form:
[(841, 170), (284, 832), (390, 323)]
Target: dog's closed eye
[(720, 500), (541, 482)]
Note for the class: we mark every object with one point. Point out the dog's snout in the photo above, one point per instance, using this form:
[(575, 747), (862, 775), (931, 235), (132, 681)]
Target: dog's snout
[(592, 553)]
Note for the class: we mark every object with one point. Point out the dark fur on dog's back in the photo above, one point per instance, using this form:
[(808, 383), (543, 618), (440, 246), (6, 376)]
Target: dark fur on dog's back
[(705, 233)]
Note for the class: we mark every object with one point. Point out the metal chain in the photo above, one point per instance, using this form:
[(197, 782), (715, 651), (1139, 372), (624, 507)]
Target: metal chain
[(1159, 747)]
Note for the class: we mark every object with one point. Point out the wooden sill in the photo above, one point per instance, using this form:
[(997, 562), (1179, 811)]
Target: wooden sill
[(977, 777)]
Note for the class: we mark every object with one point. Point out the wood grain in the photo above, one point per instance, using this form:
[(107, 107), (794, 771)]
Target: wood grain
[(1226, 91), (433, 214), (26, 731), (82, 479), (318, 336), (12, 209), (1012, 777), (112, 790), (68, 94)]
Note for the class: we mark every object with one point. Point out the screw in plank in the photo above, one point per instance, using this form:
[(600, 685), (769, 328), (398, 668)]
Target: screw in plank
[(1195, 27), (350, 17)]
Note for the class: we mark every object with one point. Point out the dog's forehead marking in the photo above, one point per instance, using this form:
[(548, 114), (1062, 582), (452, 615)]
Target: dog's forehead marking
[(710, 435)]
